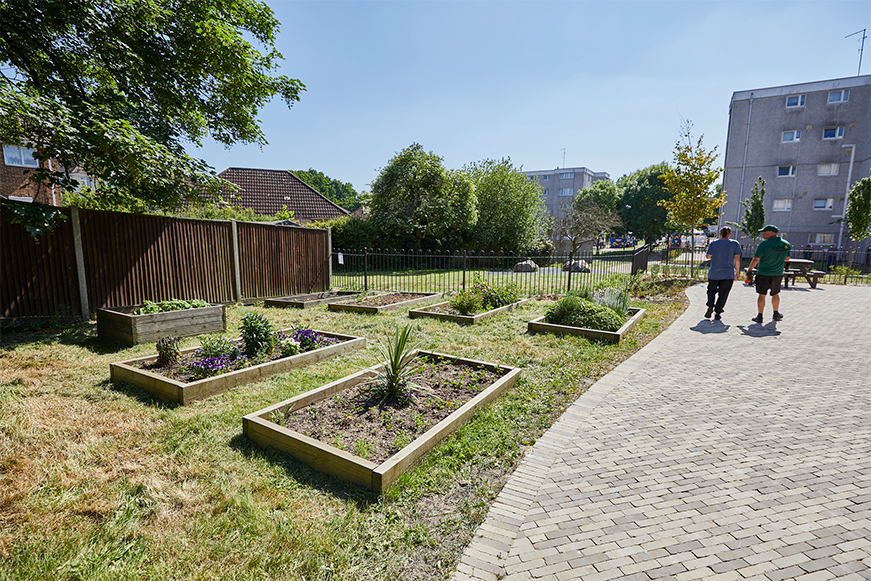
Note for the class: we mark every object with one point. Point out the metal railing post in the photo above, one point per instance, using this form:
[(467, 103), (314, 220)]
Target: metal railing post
[(571, 266), (465, 256), (365, 270)]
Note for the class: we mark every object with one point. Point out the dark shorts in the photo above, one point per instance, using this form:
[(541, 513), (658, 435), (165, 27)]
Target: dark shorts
[(766, 283)]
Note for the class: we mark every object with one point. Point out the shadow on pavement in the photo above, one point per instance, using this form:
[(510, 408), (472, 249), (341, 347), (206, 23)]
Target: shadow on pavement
[(705, 326), (759, 330)]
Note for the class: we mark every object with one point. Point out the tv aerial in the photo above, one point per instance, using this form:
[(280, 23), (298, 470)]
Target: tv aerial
[(861, 48)]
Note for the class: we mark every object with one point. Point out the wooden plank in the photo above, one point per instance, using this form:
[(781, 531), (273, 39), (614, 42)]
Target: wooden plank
[(347, 467), (539, 326), (207, 387), (461, 319), (387, 473), (375, 310)]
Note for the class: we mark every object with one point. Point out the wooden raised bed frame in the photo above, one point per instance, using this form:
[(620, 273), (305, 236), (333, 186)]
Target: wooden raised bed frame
[(347, 467), (461, 319), (350, 306), (184, 393), (539, 326), (120, 324), (307, 301)]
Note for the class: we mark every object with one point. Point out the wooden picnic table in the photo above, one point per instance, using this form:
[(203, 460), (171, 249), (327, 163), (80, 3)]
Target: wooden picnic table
[(802, 265)]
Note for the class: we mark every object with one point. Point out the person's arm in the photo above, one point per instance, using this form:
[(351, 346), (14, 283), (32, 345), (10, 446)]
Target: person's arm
[(753, 263), (737, 266)]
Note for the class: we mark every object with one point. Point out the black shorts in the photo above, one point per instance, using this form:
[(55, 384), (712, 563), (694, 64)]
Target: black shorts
[(764, 283)]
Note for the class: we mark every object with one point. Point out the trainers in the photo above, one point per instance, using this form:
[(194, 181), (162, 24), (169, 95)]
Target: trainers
[(717, 317), (708, 313), (777, 316), (757, 318)]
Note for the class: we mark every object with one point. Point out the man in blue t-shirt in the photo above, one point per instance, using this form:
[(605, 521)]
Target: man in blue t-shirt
[(725, 257)]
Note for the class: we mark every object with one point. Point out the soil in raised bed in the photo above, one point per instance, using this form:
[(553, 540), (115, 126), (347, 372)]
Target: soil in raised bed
[(358, 422), (178, 371), (389, 299)]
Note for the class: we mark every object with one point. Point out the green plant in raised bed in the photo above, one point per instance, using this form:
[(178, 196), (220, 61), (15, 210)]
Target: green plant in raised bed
[(467, 302), (167, 351), (258, 335), (392, 382), (216, 347), (149, 307), (614, 298), (288, 346), (493, 297), (576, 312)]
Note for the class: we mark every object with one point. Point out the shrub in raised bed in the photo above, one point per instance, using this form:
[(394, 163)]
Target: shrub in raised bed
[(258, 335), (574, 311), (149, 307), (484, 297)]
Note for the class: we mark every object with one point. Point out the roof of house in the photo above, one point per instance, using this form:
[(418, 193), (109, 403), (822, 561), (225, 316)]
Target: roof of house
[(267, 191)]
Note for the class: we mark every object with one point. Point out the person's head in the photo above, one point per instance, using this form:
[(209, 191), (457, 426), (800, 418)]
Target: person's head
[(725, 232), (768, 231)]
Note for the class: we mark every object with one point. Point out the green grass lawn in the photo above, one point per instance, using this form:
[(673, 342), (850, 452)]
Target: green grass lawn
[(102, 481)]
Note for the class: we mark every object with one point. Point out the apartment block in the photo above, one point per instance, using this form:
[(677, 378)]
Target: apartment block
[(559, 186), (811, 143)]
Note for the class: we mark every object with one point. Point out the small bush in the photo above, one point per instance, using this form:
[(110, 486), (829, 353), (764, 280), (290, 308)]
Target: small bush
[(614, 298), (495, 297), (167, 351), (585, 293), (149, 307), (216, 347), (467, 302), (576, 312), (258, 335)]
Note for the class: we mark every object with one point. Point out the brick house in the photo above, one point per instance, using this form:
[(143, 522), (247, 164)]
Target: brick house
[(16, 165), (267, 191)]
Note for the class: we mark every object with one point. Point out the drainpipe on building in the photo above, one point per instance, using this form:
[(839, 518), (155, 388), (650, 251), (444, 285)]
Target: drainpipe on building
[(53, 200), (847, 192), (744, 162)]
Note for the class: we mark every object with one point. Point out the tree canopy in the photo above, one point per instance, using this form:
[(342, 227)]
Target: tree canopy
[(510, 207), (605, 192), (754, 213), (690, 179), (415, 199), (639, 207), (117, 88), (341, 193)]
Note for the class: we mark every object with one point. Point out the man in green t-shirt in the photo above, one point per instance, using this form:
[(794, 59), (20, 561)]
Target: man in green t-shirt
[(770, 255)]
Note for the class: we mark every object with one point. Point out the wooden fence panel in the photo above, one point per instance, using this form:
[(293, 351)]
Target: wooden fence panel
[(279, 261), (130, 258), (38, 276)]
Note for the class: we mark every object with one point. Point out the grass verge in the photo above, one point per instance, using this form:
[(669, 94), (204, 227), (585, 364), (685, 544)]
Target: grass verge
[(102, 481)]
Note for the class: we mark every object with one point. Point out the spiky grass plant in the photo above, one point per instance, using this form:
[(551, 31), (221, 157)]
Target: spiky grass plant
[(392, 383)]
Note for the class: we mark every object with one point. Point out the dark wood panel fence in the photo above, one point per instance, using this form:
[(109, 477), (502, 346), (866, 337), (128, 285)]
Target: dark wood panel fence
[(124, 259)]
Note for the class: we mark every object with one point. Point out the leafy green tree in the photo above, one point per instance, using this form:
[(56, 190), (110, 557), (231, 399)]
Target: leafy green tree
[(117, 87), (510, 207), (415, 199), (605, 192), (640, 208), (350, 232), (754, 213), (858, 215), (341, 193), (689, 180)]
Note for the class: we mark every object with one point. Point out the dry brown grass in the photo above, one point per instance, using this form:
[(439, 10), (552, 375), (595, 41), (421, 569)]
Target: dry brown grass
[(102, 481)]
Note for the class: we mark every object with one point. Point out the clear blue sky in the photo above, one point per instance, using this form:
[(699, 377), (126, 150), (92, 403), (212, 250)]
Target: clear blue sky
[(607, 81)]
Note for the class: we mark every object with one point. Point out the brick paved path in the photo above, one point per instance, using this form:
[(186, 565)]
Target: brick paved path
[(720, 451)]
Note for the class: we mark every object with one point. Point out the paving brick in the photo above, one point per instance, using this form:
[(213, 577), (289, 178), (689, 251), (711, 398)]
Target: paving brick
[(669, 467)]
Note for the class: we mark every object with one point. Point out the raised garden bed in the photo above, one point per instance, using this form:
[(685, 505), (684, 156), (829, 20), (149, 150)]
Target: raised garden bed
[(539, 326), (444, 312), (309, 300), (377, 474), (384, 302), (183, 393), (120, 324)]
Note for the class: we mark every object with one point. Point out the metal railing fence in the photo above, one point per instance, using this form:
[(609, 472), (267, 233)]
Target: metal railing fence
[(428, 271)]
